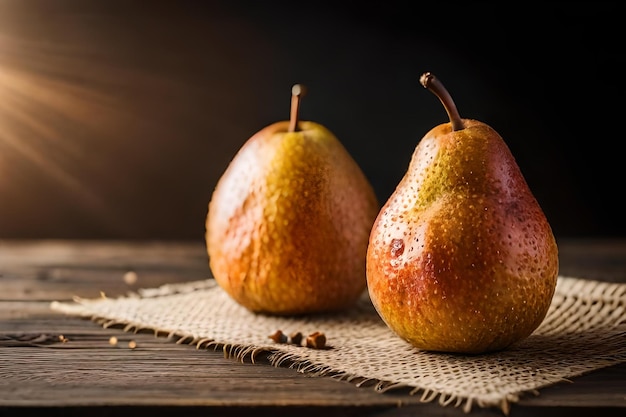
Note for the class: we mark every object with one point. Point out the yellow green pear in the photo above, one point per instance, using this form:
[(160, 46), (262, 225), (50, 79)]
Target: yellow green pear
[(461, 257), (289, 220)]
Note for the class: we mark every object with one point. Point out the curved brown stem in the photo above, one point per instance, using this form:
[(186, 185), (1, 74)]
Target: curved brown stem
[(297, 92), (429, 81)]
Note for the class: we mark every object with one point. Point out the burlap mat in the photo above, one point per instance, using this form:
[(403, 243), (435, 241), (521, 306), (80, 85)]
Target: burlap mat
[(584, 330)]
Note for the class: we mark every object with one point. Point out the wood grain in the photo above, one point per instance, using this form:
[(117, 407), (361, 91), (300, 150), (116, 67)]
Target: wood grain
[(52, 363)]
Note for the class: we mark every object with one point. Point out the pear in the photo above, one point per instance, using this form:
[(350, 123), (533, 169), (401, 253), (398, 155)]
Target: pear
[(461, 257), (288, 223)]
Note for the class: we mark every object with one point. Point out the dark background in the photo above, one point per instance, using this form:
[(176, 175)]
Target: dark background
[(118, 117)]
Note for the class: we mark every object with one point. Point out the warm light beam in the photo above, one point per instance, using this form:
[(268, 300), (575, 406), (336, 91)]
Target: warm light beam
[(73, 115)]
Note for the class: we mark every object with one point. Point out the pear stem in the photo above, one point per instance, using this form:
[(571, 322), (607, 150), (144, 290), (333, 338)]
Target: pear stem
[(297, 92), (429, 81)]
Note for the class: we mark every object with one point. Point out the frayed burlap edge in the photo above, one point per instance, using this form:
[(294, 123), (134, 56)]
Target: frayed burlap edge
[(580, 307)]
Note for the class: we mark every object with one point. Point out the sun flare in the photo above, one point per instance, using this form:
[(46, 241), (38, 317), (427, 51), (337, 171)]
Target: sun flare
[(73, 111)]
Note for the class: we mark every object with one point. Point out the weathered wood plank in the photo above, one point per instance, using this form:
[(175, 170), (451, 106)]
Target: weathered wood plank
[(599, 259), (70, 361), (96, 253), (54, 363), (62, 283), (87, 371), (58, 270)]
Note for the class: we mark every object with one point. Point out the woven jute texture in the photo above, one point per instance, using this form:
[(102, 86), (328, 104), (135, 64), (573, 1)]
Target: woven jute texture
[(584, 330)]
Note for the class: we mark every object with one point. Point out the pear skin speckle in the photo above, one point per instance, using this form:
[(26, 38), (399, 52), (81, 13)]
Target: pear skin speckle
[(479, 262), (289, 221)]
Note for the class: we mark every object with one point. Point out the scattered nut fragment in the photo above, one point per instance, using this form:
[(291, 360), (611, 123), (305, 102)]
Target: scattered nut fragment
[(295, 338), (279, 337), (316, 340), (132, 344), (113, 341), (63, 339), (130, 277)]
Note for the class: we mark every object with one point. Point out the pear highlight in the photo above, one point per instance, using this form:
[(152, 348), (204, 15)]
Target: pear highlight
[(289, 221), (461, 257)]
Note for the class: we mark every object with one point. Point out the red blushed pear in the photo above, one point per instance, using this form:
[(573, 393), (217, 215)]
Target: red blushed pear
[(461, 258), (289, 220)]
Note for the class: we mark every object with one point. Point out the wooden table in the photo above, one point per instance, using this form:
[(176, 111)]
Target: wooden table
[(39, 372)]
